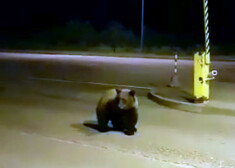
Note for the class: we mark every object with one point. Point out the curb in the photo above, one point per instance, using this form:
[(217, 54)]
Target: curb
[(176, 104), (202, 108)]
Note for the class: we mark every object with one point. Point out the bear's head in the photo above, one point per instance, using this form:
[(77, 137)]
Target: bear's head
[(127, 99)]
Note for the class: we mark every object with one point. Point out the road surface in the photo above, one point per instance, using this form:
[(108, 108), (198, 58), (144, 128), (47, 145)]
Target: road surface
[(44, 99)]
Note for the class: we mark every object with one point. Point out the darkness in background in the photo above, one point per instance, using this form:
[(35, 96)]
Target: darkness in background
[(177, 18)]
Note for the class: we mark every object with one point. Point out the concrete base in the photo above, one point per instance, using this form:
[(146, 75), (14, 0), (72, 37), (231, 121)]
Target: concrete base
[(174, 81)]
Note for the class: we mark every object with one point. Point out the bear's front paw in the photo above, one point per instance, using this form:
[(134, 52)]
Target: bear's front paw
[(128, 132)]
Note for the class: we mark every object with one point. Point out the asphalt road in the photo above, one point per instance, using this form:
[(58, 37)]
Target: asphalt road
[(44, 99)]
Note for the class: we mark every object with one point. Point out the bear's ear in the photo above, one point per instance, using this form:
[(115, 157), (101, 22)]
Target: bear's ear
[(132, 93), (118, 91)]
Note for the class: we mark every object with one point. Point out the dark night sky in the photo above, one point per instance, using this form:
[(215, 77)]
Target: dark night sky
[(166, 16)]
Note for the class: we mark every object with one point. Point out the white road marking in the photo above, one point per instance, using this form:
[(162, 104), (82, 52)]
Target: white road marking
[(91, 83), (139, 154)]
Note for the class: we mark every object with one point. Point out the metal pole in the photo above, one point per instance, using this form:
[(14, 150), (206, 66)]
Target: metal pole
[(142, 27), (206, 27)]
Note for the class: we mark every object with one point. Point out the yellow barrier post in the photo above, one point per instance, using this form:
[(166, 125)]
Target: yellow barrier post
[(201, 77), (202, 73)]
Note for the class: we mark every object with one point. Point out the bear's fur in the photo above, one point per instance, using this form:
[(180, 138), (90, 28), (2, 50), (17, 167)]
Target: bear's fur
[(120, 107)]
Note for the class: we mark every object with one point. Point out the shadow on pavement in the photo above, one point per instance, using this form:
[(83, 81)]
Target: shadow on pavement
[(93, 125), (81, 129)]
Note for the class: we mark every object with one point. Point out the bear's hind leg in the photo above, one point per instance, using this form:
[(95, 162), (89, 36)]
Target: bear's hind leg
[(103, 123), (117, 125)]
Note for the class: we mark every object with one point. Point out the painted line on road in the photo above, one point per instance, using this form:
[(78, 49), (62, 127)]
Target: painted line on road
[(91, 83), (135, 153)]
